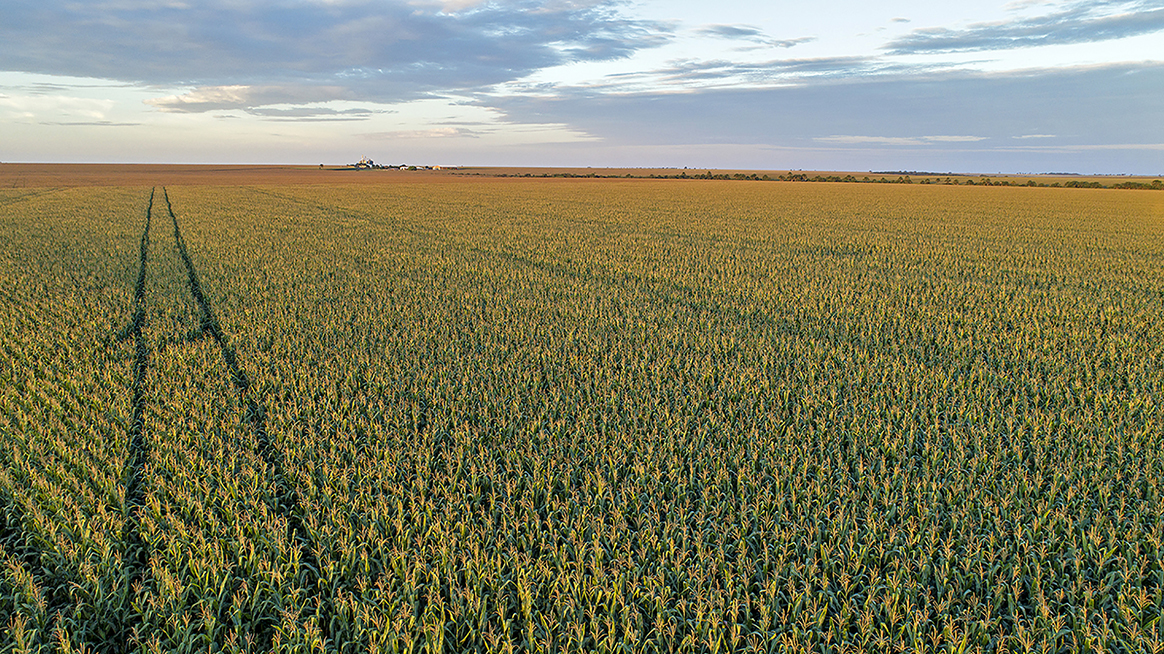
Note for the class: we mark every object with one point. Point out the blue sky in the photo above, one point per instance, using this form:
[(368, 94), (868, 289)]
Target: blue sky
[(987, 87)]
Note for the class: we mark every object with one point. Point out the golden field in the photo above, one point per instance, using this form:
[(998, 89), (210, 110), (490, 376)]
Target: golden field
[(460, 414)]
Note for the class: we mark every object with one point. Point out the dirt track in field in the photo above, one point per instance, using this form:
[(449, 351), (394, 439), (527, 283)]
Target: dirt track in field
[(136, 555)]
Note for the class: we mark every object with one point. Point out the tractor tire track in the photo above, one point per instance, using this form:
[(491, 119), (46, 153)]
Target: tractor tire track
[(287, 498), (136, 555), (24, 197)]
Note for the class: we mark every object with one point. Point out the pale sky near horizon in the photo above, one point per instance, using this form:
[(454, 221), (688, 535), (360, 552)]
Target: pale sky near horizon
[(987, 87)]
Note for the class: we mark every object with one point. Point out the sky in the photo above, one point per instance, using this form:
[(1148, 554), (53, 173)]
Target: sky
[(984, 87)]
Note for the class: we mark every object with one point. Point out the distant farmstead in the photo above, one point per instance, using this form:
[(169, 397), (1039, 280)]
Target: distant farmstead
[(367, 164)]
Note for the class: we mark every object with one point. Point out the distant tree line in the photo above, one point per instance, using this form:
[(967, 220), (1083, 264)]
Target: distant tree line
[(951, 180)]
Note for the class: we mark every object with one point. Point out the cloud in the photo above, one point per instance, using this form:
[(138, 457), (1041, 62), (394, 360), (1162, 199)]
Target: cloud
[(1034, 136), (1080, 23), (385, 51), (897, 140), (91, 123), (239, 96), (1090, 147), (255, 100), (879, 140), (751, 34), (733, 32), (312, 114), (1019, 5), (788, 43), (952, 139), (435, 133), (451, 6), (49, 89), (36, 106), (693, 74)]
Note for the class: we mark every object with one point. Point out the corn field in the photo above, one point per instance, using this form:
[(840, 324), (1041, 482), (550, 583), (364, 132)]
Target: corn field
[(581, 416)]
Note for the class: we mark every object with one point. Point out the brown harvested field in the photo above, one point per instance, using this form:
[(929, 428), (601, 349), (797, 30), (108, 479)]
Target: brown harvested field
[(39, 175), (36, 175), (25, 175), (13, 175)]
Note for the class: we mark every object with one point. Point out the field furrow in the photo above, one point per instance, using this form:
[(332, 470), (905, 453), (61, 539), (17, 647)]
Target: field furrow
[(8, 198)]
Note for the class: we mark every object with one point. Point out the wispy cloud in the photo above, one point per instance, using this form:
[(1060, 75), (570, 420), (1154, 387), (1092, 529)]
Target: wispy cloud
[(89, 123), (1034, 136), (241, 96), (788, 43), (435, 133), (1019, 5), (733, 32), (897, 140), (312, 114), (695, 74), (1081, 23), (751, 34), (1088, 147), (62, 107)]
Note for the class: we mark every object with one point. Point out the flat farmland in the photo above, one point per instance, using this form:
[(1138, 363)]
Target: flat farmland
[(464, 414)]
